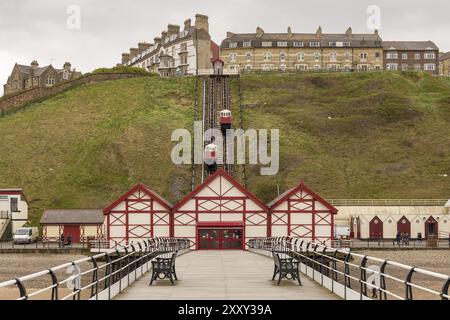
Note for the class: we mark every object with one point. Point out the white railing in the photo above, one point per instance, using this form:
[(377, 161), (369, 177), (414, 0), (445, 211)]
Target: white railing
[(352, 275), (388, 202)]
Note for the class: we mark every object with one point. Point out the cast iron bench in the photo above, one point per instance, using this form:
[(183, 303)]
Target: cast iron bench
[(164, 268), (285, 268)]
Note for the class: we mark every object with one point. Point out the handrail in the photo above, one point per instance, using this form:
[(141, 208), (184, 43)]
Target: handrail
[(118, 263), (318, 258), (388, 202)]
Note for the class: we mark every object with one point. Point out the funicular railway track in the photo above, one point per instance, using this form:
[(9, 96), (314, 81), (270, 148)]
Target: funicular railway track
[(216, 98)]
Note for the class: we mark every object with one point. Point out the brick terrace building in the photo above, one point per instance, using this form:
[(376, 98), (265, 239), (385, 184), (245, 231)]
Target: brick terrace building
[(411, 55), (444, 64), (290, 51)]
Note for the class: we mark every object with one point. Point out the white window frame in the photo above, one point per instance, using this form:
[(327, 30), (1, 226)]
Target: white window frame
[(404, 56), (314, 44), (392, 55), (417, 56), (429, 56), (267, 56), (282, 44), (283, 56), (333, 56), (247, 44), (267, 44), (232, 57), (298, 44), (301, 56), (316, 56), (429, 67)]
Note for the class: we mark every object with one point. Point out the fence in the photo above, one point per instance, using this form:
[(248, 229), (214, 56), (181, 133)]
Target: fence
[(351, 275), (388, 202), (100, 277), (443, 243)]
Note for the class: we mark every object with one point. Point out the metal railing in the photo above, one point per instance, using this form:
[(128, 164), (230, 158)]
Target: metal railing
[(388, 202), (100, 277), (442, 243), (351, 275)]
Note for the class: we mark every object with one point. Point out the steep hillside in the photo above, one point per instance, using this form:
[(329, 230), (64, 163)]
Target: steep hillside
[(384, 135), (346, 135)]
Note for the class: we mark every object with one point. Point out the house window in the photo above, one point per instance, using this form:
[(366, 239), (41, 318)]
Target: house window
[(392, 55), (282, 44), (248, 67), (183, 47), (267, 67), (404, 67), (282, 56), (314, 44), (317, 67), (301, 67), (377, 55), (429, 67), (404, 56), (301, 56), (332, 44), (392, 66), (348, 56), (429, 55), (363, 56), (267, 56), (417, 56), (267, 44), (346, 44), (233, 44), (317, 56), (50, 81), (232, 57), (333, 56), (417, 67), (298, 44), (283, 67), (66, 75), (248, 56), (247, 44), (14, 204)]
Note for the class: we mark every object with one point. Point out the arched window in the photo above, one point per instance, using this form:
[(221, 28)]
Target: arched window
[(333, 56)]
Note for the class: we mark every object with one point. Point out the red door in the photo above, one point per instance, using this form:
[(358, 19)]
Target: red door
[(404, 226), (431, 227), (376, 228), (220, 239), (74, 231)]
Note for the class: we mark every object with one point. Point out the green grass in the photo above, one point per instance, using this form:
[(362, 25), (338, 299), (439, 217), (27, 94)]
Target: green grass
[(346, 135), (383, 135)]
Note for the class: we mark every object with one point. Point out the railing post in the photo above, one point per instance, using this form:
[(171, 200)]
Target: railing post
[(94, 289), (363, 277), (445, 289), (119, 258), (383, 280), (347, 282), (22, 289), (408, 288), (55, 284)]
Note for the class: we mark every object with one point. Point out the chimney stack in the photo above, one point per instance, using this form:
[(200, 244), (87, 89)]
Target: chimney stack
[(230, 34), (259, 32), (157, 41), (133, 52), (201, 22), (349, 32), (67, 66), (319, 31), (34, 65), (173, 29), (125, 58), (142, 46), (187, 24)]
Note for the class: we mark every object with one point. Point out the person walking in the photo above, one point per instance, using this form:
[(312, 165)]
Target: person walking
[(398, 238), (61, 240), (374, 290)]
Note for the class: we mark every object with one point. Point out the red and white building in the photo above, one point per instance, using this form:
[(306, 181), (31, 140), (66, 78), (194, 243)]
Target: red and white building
[(301, 213), (137, 215), (220, 214)]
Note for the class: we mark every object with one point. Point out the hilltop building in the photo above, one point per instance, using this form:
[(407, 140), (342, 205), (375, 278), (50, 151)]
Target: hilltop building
[(26, 77), (291, 51), (444, 64), (176, 52), (13, 212), (411, 56)]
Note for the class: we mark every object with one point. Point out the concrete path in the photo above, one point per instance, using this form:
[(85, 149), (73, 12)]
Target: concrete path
[(224, 275)]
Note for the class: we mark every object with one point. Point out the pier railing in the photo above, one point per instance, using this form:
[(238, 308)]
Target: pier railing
[(99, 277), (354, 276)]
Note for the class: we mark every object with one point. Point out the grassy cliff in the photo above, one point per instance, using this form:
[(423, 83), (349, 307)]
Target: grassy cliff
[(383, 135)]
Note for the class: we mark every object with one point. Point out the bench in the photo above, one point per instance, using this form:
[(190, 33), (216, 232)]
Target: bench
[(286, 268), (164, 268)]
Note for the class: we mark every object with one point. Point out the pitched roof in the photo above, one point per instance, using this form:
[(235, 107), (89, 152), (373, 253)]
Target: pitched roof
[(409, 45), (230, 179), (444, 56), (139, 187), (14, 191), (301, 187), (27, 69), (72, 216)]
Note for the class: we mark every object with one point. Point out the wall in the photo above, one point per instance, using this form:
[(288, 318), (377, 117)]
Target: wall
[(35, 94)]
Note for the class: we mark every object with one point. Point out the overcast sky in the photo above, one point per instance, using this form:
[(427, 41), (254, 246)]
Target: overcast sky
[(38, 29)]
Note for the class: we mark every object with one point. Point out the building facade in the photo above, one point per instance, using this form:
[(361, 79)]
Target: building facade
[(13, 212), (378, 221), (444, 64), (26, 77), (220, 214), (411, 56), (176, 52), (290, 51), (82, 225)]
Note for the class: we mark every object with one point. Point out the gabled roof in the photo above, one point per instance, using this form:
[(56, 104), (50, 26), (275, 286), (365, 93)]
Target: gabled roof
[(14, 191), (139, 187), (301, 187), (444, 56), (409, 45), (230, 179), (73, 216)]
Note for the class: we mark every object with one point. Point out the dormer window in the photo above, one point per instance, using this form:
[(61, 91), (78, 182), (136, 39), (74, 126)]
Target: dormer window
[(298, 44), (314, 44), (282, 44), (233, 44), (267, 44), (247, 44)]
